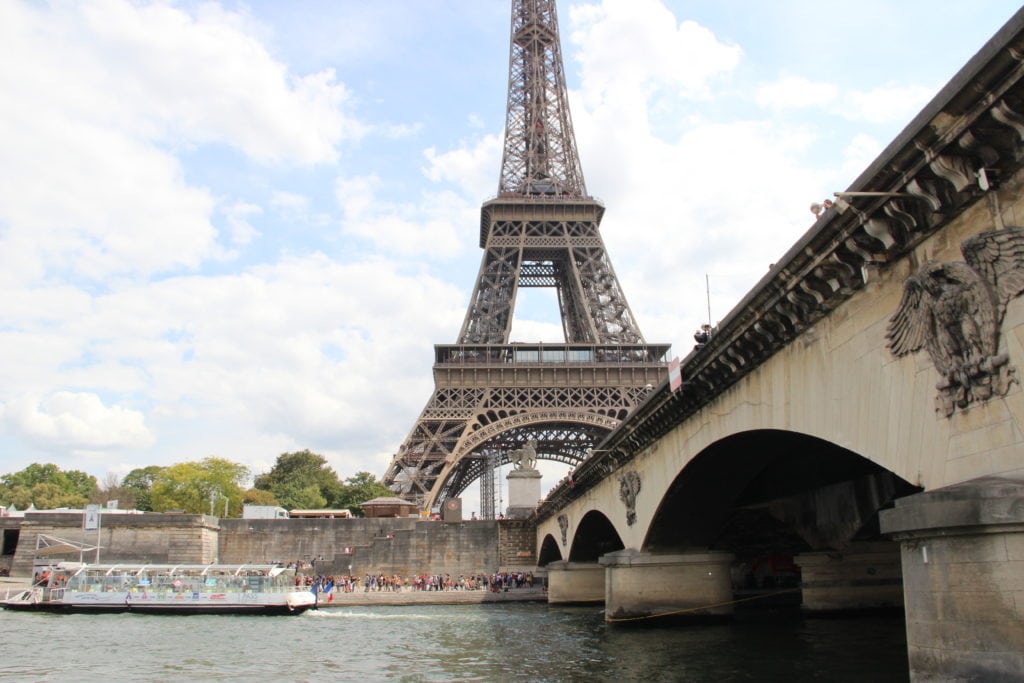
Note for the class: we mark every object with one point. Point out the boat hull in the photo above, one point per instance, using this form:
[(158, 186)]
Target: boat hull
[(163, 589), (199, 603), (68, 608)]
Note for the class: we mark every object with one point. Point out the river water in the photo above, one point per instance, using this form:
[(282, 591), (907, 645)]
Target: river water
[(508, 642)]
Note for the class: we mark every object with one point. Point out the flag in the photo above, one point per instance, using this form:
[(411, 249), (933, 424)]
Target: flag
[(675, 375)]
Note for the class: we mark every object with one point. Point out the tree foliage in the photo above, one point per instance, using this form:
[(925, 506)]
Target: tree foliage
[(200, 487), (139, 484), (259, 497), (301, 480), (359, 488), (47, 487), (304, 480)]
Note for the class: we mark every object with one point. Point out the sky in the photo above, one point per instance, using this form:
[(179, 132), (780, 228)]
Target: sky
[(238, 229)]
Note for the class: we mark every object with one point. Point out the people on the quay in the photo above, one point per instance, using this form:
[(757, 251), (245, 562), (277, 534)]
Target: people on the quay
[(325, 585)]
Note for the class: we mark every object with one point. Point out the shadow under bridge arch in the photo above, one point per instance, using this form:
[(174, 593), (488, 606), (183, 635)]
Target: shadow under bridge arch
[(595, 536), (560, 435), (549, 551), (772, 491)]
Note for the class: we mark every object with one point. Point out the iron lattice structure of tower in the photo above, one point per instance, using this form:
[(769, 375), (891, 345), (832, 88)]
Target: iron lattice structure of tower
[(542, 230)]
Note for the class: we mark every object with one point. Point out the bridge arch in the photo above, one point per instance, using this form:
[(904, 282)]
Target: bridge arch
[(595, 535), (562, 435), (765, 490), (549, 551)]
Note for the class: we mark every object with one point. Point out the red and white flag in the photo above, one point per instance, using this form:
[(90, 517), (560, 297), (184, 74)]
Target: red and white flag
[(675, 375)]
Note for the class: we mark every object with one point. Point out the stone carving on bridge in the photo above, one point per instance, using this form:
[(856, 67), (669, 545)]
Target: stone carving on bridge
[(955, 311), (525, 458), (629, 487), (563, 524)]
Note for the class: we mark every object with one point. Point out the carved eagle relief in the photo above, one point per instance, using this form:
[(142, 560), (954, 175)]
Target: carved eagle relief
[(629, 488), (955, 311)]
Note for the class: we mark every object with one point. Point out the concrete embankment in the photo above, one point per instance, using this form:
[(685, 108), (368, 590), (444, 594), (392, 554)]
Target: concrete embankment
[(363, 598)]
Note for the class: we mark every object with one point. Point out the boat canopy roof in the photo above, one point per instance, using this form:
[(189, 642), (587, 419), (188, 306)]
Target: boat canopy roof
[(171, 569)]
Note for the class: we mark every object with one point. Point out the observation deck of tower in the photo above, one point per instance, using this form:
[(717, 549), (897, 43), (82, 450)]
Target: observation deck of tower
[(492, 395)]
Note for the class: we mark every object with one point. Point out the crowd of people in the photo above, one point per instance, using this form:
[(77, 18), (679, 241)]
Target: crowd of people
[(328, 585)]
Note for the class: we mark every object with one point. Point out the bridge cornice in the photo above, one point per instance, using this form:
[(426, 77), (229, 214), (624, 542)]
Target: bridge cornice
[(954, 153)]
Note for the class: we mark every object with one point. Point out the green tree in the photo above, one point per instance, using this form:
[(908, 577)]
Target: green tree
[(292, 476), (47, 487), (298, 497), (359, 488), (199, 487), (48, 496), (259, 497), (139, 484)]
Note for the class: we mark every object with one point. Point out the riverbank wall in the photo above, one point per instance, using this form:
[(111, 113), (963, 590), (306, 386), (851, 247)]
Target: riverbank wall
[(360, 598), (358, 546)]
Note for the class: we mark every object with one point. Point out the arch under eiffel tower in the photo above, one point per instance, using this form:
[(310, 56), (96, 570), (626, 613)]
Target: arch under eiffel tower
[(542, 230)]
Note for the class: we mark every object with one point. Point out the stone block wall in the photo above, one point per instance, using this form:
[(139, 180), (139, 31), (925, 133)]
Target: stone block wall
[(405, 546), (155, 538), (962, 552), (517, 545)]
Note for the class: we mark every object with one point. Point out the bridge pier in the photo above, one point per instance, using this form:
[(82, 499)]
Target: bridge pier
[(575, 582), (686, 585), (863, 576), (962, 549)]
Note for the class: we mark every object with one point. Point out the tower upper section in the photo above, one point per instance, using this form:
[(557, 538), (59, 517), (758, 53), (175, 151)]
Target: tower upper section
[(540, 157)]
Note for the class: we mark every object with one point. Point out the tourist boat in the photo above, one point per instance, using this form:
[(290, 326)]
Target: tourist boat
[(164, 589)]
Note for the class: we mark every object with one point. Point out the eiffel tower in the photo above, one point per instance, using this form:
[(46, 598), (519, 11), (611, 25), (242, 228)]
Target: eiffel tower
[(491, 395)]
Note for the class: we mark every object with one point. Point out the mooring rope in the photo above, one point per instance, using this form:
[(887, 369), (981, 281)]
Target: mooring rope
[(615, 620)]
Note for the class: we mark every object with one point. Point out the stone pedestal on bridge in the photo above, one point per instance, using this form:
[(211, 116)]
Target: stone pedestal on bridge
[(641, 586), (575, 582), (863, 576), (523, 493), (962, 550)]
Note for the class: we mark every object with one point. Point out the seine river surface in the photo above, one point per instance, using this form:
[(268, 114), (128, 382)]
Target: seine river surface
[(508, 642)]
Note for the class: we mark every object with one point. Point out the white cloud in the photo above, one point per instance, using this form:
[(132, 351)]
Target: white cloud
[(796, 92), (889, 103), (302, 353), (722, 198), (858, 154), (206, 77), (90, 201), (241, 230), (425, 229), (76, 421), (102, 96), (289, 201), (631, 46), (473, 169), (142, 142)]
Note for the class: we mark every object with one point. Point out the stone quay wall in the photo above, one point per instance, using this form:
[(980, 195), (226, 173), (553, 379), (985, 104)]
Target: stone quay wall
[(401, 546), (404, 546), (154, 538)]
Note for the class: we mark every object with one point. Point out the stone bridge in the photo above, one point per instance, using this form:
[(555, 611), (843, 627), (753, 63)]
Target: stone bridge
[(852, 435)]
